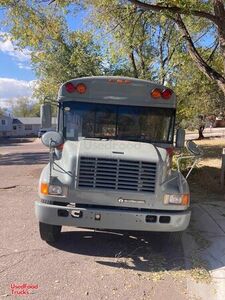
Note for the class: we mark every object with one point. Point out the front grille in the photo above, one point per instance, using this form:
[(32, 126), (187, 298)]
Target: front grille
[(116, 174)]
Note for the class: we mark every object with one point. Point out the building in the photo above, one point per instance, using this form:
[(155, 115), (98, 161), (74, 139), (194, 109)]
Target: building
[(5, 125), (25, 126), (21, 127)]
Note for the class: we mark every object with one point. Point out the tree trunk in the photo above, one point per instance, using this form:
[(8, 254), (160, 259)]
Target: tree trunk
[(200, 133), (132, 59), (220, 14)]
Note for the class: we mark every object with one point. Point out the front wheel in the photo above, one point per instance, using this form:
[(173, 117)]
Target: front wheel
[(49, 233)]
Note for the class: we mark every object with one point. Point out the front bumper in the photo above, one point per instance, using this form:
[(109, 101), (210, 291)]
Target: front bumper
[(112, 219)]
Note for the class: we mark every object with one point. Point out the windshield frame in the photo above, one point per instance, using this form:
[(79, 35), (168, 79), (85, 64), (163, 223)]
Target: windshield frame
[(170, 133)]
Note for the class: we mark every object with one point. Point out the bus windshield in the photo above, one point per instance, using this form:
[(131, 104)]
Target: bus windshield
[(122, 122)]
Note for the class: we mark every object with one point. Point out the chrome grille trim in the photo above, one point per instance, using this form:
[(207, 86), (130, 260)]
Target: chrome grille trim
[(116, 174)]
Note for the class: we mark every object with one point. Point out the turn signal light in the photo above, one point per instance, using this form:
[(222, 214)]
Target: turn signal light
[(185, 199), (81, 88), (44, 188), (156, 93)]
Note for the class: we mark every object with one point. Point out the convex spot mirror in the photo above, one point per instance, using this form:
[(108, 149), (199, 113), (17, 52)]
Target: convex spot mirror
[(52, 139), (180, 138), (193, 148)]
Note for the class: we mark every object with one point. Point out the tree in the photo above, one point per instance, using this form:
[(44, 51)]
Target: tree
[(193, 19), (166, 60), (140, 44), (76, 57), (24, 107), (196, 94), (211, 12), (57, 53), (137, 39), (3, 111)]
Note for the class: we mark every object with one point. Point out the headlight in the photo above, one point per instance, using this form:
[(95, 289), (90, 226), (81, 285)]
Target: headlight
[(55, 190), (180, 199), (51, 189)]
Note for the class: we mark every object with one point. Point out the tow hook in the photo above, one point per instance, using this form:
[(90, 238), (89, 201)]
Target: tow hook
[(76, 213)]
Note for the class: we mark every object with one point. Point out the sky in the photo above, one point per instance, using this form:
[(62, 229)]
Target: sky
[(16, 75), (17, 79)]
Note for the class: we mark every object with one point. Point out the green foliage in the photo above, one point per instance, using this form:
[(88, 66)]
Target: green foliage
[(24, 107), (140, 44), (76, 57), (3, 111), (57, 53), (184, 164), (196, 94)]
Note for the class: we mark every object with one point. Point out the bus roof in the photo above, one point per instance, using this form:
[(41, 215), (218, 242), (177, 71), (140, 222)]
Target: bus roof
[(114, 90)]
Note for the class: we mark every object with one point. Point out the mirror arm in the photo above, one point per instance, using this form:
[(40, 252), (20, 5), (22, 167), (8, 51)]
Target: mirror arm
[(51, 159), (196, 160)]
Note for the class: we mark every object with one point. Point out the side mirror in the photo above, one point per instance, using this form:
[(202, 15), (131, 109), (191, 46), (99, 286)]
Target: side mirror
[(52, 139), (46, 115), (194, 149), (180, 138)]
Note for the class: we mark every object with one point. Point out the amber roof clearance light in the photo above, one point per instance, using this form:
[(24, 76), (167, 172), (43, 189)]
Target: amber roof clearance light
[(156, 93), (81, 88)]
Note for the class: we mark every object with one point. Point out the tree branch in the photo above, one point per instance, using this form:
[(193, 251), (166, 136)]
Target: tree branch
[(175, 10), (200, 62), (213, 52), (132, 59)]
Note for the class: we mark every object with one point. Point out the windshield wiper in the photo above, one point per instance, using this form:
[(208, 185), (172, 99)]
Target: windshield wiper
[(100, 138)]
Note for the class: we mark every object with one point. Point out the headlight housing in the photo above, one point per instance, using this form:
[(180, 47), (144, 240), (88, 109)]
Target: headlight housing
[(55, 190), (51, 189), (177, 199)]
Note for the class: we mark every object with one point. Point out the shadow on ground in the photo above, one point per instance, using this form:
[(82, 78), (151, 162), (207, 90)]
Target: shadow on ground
[(24, 159), (211, 152), (147, 251), (139, 251), (14, 141)]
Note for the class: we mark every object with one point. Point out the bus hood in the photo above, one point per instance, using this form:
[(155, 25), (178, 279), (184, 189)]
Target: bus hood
[(81, 172), (117, 149)]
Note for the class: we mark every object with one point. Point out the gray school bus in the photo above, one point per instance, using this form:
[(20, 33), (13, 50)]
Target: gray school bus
[(110, 159)]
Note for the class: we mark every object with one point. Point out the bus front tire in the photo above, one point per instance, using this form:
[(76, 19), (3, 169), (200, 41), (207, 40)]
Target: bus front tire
[(49, 233)]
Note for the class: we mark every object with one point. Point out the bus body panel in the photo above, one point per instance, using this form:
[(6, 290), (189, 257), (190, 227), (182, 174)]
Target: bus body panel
[(114, 184), (105, 90)]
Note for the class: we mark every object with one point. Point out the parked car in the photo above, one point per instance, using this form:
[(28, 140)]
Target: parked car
[(42, 131)]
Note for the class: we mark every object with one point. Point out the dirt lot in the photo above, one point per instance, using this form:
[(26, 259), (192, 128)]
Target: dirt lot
[(103, 265), (205, 179)]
